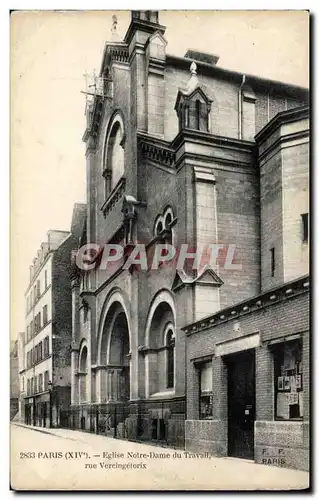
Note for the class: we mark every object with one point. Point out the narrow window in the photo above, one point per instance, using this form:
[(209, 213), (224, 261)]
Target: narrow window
[(45, 279), (170, 344), (197, 114), (186, 116), (272, 261), (305, 227), (45, 315)]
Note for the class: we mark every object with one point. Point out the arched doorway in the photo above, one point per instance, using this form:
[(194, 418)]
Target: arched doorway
[(114, 356), (160, 339)]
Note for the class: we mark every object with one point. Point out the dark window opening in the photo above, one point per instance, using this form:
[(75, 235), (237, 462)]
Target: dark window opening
[(159, 228), (170, 343), (168, 220), (305, 227), (154, 428), (162, 433), (198, 106), (272, 261)]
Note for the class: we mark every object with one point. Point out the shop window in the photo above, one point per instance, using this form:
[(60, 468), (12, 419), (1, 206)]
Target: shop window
[(288, 374), (206, 391)]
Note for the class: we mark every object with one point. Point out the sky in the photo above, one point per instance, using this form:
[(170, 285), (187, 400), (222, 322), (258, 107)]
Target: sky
[(51, 51)]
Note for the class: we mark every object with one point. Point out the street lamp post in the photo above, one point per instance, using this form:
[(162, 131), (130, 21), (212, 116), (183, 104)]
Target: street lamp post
[(50, 401)]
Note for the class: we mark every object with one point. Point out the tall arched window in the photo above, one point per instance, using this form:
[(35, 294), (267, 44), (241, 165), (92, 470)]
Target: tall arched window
[(170, 358), (113, 163)]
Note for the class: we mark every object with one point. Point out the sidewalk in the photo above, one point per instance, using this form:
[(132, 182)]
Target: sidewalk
[(114, 464)]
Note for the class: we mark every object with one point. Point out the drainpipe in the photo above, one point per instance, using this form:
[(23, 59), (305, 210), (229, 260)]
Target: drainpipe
[(240, 106)]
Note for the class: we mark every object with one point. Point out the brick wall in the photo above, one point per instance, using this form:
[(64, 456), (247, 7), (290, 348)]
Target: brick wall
[(276, 321), (284, 196), (271, 220)]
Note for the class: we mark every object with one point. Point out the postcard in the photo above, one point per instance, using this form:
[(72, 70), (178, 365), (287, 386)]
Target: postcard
[(152, 155)]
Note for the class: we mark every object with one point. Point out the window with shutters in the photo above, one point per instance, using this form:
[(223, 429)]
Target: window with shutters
[(45, 314), (46, 380), (40, 351)]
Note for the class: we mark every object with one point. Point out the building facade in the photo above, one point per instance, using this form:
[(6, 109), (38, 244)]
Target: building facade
[(248, 365), (46, 378), (21, 370), (14, 380), (172, 152)]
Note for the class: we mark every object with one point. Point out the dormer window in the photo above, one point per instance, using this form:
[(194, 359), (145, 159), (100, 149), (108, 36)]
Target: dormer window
[(193, 104)]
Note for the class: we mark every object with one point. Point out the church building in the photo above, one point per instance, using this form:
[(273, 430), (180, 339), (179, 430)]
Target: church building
[(182, 151)]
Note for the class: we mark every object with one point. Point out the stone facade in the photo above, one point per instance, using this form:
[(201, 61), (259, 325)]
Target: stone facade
[(171, 157)]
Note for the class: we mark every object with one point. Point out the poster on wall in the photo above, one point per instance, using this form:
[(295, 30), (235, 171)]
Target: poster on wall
[(287, 383), (283, 405), (280, 383), (293, 398), (298, 382), (293, 386)]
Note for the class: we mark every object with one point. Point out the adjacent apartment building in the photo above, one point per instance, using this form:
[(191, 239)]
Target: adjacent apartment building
[(46, 377), (14, 379), (179, 151)]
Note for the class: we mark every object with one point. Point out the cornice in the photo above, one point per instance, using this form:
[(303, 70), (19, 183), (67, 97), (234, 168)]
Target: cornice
[(141, 25), (156, 150), (234, 76), (205, 138), (254, 304), (282, 118), (278, 144)]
